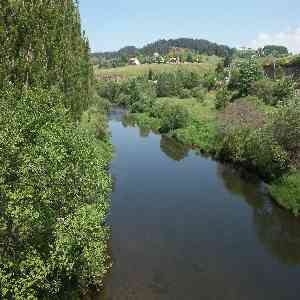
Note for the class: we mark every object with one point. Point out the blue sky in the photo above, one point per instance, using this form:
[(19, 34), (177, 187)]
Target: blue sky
[(111, 25)]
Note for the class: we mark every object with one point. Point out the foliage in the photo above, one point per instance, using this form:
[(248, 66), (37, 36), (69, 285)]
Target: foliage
[(284, 90), (42, 45), (185, 94), (142, 94), (296, 60), (286, 130), (167, 85), (286, 191), (275, 51), (145, 121), (264, 89), (109, 90), (202, 134), (248, 71), (209, 80), (274, 92), (199, 93), (54, 185), (143, 70), (246, 138), (48, 176), (173, 116), (163, 47), (223, 97)]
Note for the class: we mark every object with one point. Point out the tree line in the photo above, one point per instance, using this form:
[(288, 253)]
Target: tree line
[(163, 47)]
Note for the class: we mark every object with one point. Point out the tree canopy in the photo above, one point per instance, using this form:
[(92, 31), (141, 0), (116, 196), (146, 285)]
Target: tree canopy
[(54, 183)]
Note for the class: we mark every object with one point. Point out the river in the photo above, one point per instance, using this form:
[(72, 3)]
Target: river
[(187, 227)]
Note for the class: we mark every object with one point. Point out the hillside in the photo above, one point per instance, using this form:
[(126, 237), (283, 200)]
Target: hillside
[(133, 71), (163, 46)]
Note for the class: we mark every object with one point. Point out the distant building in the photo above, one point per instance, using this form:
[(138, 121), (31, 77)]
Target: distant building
[(174, 60), (134, 61)]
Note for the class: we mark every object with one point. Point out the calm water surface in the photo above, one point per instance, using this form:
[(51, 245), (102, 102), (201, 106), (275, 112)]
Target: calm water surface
[(187, 227)]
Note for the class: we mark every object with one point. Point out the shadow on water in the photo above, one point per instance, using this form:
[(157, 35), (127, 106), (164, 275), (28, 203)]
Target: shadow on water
[(276, 229), (173, 149), (187, 227)]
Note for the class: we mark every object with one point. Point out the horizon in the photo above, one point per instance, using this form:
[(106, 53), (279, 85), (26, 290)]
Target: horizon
[(112, 26)]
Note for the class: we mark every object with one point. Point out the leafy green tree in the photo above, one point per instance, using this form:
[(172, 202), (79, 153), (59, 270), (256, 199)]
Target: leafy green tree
[(189, 57), (274, 50), (54, 184), (248, 71), (50, 179), (173, 116), (223, 97), (42, 46)]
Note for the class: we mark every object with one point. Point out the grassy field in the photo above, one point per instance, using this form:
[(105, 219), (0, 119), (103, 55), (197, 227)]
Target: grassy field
[(133, 71)]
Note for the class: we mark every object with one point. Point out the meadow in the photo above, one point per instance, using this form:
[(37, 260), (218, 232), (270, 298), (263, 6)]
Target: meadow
[(134, 71)]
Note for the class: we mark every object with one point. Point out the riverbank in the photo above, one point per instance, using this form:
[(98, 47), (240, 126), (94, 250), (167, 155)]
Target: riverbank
[(250, 121), (181, 221), (202, 132)]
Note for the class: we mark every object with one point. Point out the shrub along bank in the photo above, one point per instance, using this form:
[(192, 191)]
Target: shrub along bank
[(236, 115)]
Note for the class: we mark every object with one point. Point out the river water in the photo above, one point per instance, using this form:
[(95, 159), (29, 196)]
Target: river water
[(187, 227)]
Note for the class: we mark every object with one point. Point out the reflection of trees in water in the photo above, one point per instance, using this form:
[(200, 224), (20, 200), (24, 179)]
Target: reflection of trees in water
[(144, 132), (173, 149), (117, 114), (277, 230), (241, 183), (128, 120)]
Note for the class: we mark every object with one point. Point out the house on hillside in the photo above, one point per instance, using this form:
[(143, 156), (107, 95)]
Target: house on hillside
[(134, 61), (174, 60)]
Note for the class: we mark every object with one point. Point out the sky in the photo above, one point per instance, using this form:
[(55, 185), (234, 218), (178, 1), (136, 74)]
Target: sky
[(113, 24)]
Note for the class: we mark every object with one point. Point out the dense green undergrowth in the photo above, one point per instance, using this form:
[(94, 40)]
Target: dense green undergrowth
[(245, 118), (54, 156)]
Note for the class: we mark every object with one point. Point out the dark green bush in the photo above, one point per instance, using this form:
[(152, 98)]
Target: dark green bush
[(286, 130), (223, 97), (185, 94), (244, 74), (247, 138), (199, 93), (167, 85), (274, 92), (54, 191), (209, 81), (264, 89), (284, 90), (109, 90), (142, 94), (286, 191), (173, 116)]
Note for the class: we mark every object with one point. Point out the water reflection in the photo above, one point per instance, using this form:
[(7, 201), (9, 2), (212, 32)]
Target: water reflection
[(277, 230), (144, 132), (181, 231), (173, 149)]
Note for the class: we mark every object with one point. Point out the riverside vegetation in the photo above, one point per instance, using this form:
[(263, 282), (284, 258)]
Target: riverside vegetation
[(234, 113), (54, 153), (55, 148)]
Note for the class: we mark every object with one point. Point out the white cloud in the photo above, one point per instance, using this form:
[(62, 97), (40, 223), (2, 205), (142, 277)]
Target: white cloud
[(289, 38)]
